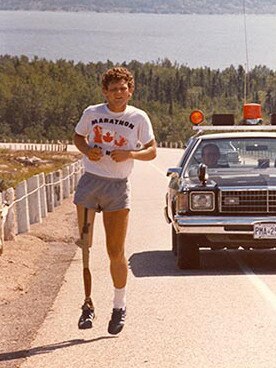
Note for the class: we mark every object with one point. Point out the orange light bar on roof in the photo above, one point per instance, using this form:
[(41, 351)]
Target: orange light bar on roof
[(252, 114), (252, 111), (196, 117)]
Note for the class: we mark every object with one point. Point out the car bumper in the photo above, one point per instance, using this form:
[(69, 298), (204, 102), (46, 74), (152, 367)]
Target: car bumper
[(218, 224)]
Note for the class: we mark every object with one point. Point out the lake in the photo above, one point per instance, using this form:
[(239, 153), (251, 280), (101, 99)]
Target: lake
[(216, 41)]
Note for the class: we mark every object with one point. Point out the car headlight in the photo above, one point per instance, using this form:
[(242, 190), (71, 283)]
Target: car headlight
[(202, 201)]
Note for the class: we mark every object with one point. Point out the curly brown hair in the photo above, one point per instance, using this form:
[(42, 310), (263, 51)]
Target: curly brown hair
[(116, 74)]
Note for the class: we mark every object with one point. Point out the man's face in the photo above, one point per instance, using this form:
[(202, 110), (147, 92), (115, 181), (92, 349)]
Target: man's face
[(210, 156), (117, 95)]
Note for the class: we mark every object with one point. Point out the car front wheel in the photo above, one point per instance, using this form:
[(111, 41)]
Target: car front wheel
[(187, 252)]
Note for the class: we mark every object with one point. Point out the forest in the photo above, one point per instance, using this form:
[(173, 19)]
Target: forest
[(43, 100), (145, 6)]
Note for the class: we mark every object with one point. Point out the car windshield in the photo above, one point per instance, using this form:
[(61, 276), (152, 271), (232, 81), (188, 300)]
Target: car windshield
[(234, 157)]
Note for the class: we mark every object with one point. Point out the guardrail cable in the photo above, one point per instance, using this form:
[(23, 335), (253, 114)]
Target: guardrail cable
[(8, 207)]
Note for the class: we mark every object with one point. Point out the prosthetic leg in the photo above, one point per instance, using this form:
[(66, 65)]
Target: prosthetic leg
[(85, 255), (88, 313)]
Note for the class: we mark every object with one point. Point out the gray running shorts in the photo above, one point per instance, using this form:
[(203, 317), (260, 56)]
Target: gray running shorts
[(102, 194)]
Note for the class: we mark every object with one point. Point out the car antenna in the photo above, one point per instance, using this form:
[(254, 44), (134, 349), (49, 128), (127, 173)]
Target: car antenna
[(246, 54)]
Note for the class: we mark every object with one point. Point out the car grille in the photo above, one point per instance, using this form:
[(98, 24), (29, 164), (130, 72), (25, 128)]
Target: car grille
[(248, 201)]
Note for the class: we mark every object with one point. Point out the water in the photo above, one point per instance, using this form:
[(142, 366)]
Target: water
[(216, 41)]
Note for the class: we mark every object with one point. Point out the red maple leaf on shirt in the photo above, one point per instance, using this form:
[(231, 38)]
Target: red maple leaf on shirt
[(121, 142), (108, 137), (98, 134)]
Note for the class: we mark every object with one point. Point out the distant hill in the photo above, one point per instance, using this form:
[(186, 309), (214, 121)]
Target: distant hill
[(145, 6)]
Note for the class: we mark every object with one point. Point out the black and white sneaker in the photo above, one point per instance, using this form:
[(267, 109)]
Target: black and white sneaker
[(86, 318), (117, 321)]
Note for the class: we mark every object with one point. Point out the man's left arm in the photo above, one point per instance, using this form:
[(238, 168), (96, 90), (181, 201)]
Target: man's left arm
[(147, 153)]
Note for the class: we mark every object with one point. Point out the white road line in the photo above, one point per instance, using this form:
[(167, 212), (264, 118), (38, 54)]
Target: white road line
[(260, 285), (159, 170)]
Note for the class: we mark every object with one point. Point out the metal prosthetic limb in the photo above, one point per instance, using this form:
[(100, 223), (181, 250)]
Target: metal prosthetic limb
[(85, 255)]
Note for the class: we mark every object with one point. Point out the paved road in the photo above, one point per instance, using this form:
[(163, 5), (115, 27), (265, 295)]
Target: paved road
[(221, 316)]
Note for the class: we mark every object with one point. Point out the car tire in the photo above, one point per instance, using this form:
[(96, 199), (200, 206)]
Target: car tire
[(188, 256), (174, 241)]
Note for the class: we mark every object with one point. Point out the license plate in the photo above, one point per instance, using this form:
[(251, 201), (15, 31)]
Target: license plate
[(265, 231)]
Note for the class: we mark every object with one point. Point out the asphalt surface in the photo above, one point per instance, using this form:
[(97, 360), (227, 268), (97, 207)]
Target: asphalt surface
[(220, 316)]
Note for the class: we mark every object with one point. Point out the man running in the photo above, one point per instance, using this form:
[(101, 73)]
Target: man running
[(108, 135)]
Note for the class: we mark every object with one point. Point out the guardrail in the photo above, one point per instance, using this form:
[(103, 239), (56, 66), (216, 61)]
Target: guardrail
[(179, 144), (32, 199), (63, 145), (35, 146)]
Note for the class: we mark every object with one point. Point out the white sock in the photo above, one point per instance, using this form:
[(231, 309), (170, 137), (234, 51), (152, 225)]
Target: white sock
[(119, 301)]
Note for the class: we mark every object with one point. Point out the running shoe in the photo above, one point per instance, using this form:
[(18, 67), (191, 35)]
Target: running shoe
[(86, 317), (117, 321)]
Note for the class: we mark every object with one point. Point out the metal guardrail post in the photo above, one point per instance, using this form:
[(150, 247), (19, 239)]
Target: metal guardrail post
[(3, 215), (72, 177), (42, 192), (22, 208), (58, 188), (34, 199), (10, 222), (66, 182), (49, 192)]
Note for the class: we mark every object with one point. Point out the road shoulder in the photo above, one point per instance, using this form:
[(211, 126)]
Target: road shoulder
[(32, 271)]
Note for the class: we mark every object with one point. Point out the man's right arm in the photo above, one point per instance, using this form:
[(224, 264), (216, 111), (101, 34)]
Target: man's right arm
[(94, 154)]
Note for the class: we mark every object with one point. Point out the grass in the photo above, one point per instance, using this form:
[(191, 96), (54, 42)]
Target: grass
[(12, 171)]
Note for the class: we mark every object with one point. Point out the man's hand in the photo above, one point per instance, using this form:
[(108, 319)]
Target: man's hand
[(120, 155), (147, 153), (94, 154)]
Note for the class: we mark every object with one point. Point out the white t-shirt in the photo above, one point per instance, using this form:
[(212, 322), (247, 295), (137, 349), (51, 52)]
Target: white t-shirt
[(111, 131)]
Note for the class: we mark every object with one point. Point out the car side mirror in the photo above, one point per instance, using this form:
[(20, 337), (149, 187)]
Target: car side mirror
[(176, 171), (202, 174)]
